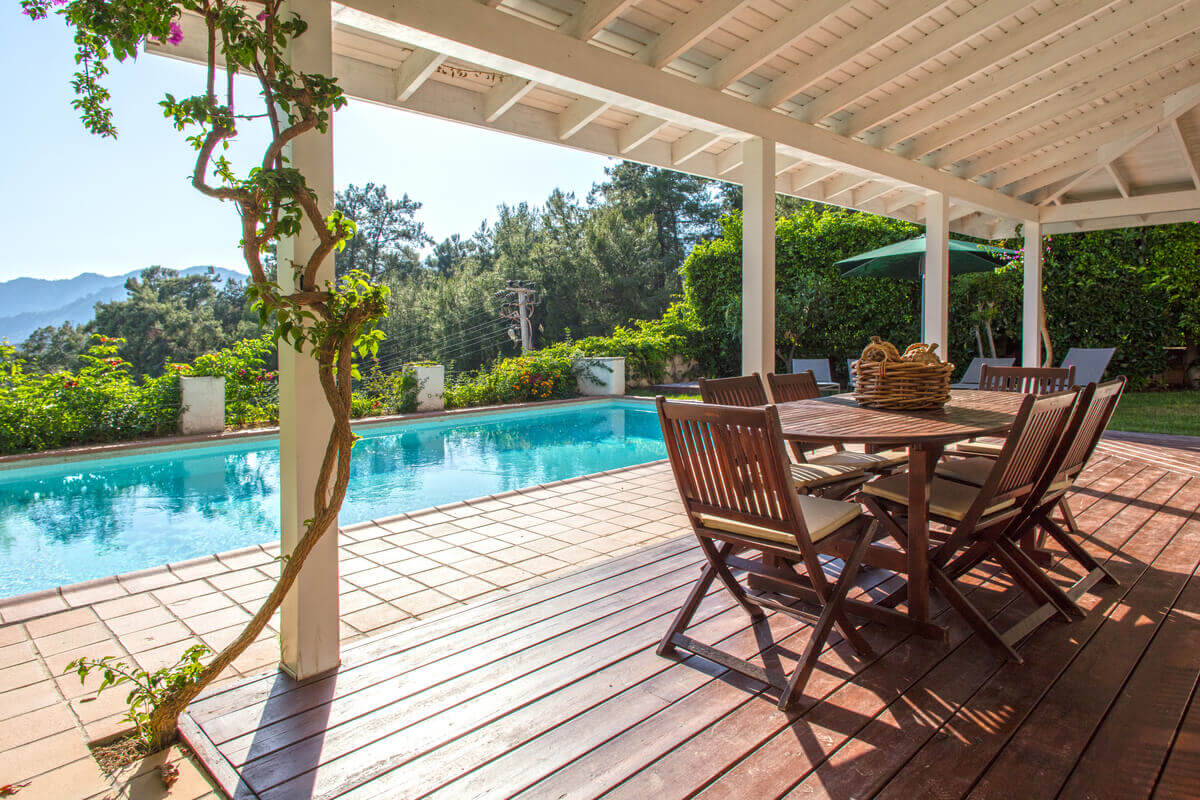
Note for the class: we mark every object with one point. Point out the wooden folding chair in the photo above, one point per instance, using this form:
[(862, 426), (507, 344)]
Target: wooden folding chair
[(733, 477), (1093, 412), (803, 386), (1029, 380), (811, 476), (978, 516)]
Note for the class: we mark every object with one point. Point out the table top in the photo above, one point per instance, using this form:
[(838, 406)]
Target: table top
[(969, 413)]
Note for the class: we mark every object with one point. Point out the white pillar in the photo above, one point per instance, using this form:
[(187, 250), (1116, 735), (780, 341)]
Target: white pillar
[(758, 256), (309, 617), (1031, 305), (935, 324)]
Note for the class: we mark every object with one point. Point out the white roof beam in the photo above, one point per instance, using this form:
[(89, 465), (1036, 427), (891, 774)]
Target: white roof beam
[(762, 46), (1190, 158), (415, 70), (495, 40), (688, 30), (986, 86), (595, 16), (843, 183), (976, 61), (1131, 221), (810, 175), (504, 96), (730, 160), (1121, 206), (578, 115), (640, 130), (1121, 182), (871, 33), (785, 164), (691, 145), (899, 201), (1061, 92), (1051, 175), (935, 44)]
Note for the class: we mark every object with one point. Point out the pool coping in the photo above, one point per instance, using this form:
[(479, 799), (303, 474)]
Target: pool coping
[(68, 455), (44, 602)]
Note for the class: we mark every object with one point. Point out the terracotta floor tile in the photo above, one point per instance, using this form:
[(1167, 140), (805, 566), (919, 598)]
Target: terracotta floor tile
[(22, 674), (228, 580), (158, 636), (214, 601), (81, 778), (33, 607), (370, 577), (433, 577), (541, 564), (57, 663), (505, 576), (258, 656), (28, 727), (465, 588), (56, 623), (11, 634), (13, 654), (140, 620), (359, 598), (125, 605), (375, 616), (428, 547), (251, 593), (91, 594), (511, 555), (216, 620), (16, 702), (57, 750), (398, 587), (423, 602), (72, 638)]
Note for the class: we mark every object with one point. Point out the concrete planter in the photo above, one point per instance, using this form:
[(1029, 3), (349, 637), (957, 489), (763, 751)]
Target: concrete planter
[(431, 387), (600, 376), (202, 405)]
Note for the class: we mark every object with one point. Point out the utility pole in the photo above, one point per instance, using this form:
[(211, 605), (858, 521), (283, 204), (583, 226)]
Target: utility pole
[(521, 298)]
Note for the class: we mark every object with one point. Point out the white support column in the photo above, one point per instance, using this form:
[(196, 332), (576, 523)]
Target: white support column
[(935, 322), (758, 256), (1031, 305), (309, 617)]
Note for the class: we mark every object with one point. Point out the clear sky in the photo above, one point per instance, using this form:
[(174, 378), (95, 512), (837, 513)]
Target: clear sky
[(72, 202)]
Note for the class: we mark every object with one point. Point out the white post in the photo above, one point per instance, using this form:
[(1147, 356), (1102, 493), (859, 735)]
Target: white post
[(935, 324), (758, 256), (309, 617), (1031, 305)]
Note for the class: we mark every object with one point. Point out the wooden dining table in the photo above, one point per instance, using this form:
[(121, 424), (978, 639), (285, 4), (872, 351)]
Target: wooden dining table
[(969, 413)]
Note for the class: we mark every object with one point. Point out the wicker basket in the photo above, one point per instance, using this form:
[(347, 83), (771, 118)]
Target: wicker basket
[(907, 382)]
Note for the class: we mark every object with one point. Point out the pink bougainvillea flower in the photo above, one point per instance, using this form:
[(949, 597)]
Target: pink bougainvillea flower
[(176, 34), (262, 16)]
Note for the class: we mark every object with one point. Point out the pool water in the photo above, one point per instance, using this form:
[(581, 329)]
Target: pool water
[(75, 521)]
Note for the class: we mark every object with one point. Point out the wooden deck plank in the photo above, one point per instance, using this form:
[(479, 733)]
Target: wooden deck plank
[(1138, 731), (1181, 774), (965, 746)]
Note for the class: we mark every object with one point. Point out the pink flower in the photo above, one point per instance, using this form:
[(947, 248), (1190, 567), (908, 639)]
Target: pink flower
[(176, 34), (262, 16)]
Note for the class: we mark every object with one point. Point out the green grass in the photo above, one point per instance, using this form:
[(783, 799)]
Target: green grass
[(1159, 412)]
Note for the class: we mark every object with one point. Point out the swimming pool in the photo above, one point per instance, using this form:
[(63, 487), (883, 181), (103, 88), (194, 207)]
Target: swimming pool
[(79, 520)]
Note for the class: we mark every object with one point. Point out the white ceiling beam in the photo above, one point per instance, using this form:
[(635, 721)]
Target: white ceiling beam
[(640, 130), (504, 96), (1121, 182), (495, 40), (813, 69), (595, 17), (691, 145), (415, 70), (843, 183), (730, 160), (1051, 175), (810, 175), (902, 199), (1044, 100), (975, 62), (1173, 107), (761, 47), (578, 115), (986, 86), (950, 35), (1191, 159), (785, 164), (1130, 221), (687, 31), (1121, 206), (878, 190)]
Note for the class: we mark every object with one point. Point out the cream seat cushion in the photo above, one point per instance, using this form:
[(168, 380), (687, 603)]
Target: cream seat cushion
[(809, 475), (946, 498), (974, 470), (991, 449), (885, 459), (821, 516)]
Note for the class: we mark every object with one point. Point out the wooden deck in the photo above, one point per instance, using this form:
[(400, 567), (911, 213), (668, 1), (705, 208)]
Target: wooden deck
[(556, 691)]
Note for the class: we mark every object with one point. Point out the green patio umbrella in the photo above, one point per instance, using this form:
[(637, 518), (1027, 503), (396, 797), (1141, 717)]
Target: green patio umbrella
[(906, 260)]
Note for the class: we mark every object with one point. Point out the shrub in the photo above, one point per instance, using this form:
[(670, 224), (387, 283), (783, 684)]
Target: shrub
[(543, 375), (380, 393), (251, 387)]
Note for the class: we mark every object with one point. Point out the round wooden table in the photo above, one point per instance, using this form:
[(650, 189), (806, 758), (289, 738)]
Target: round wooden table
[(969, 413)]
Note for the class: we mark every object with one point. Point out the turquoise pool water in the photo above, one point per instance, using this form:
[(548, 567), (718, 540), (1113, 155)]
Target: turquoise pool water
[(71, 522)]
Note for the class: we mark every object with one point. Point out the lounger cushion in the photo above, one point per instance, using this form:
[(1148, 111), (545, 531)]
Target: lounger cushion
[(808, 476), (885, 459), (991, 449), (821, 515), (974, 470), (946, 498)]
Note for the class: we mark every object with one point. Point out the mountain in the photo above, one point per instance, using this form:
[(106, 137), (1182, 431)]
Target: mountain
[(31, 303)]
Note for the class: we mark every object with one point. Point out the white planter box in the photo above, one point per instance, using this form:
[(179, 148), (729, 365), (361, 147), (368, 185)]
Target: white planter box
[(202, 405), (431, 387), (600, 376)]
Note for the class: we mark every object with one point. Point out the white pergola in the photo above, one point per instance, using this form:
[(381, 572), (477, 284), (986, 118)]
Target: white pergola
[(973, 116)]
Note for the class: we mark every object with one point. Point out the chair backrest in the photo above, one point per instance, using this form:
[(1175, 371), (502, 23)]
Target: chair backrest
[(819, 367), (975, 368), (744, 390), (1103, 402), (1029, 380), (1089, 362), (850, 362), (797, 386), (729, 462), (1032, 442)]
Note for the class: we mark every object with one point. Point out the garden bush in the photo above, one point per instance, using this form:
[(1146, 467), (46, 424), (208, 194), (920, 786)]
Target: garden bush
[(542, 375)]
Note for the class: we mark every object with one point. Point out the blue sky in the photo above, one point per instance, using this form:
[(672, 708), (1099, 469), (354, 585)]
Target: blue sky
[(73, 202)]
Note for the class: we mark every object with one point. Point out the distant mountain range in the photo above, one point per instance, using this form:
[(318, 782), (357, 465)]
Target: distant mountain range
[(27, 304)]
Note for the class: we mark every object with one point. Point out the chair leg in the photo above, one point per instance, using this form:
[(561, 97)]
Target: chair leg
[(716, 558), (684, 618), (832, 614), (972, 615), (1043, 590), (1075, 549), (1064, 508)]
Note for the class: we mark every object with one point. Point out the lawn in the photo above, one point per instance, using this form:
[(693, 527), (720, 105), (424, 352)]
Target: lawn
[(1159, 412)]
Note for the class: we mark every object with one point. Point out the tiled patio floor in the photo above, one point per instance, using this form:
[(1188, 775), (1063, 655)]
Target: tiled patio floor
[(393, 571)]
